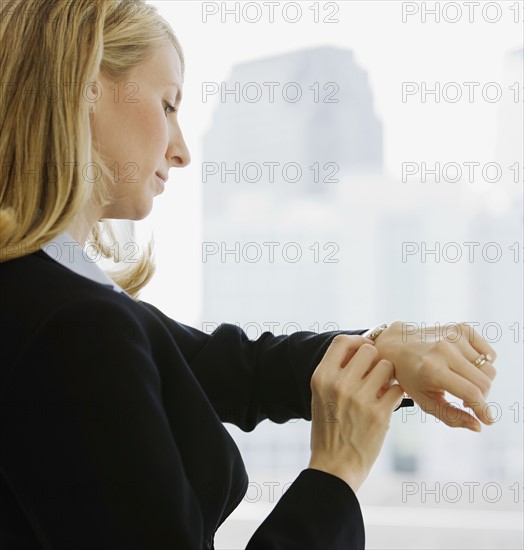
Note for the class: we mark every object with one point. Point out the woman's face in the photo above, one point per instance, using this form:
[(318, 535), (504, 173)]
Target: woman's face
[(135, 128)]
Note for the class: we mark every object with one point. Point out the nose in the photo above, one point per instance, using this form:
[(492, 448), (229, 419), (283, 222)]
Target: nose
[(178, 153)]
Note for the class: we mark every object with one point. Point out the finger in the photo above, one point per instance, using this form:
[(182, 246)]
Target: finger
[(457, 337), (449, 414), (385, 387), (381, 373), (464, 366), (469, 393), (476, 341), (366, 356), (485, 368), (393, 396), (342, 348)]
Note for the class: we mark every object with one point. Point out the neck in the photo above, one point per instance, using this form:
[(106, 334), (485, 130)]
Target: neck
[(82, 225)]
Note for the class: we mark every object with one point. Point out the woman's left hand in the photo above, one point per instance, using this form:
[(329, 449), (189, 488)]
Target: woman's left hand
[(433, 360)]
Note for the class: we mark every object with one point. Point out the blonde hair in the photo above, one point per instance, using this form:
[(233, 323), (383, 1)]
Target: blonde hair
[(50, 55)]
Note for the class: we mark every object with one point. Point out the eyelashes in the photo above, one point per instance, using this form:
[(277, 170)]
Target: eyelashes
[(169, 108)]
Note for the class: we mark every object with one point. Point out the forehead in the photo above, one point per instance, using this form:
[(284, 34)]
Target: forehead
[(163, 68)]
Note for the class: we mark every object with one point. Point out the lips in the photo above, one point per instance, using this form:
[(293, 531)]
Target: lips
[(163, 177)]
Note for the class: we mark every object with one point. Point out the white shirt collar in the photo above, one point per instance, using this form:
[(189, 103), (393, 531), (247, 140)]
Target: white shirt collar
[(68, 252)]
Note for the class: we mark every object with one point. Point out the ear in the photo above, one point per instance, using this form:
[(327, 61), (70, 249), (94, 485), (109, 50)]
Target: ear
[(92, 93)]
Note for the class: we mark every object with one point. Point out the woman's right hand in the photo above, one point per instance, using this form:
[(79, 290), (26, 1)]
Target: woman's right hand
[(353, 397)]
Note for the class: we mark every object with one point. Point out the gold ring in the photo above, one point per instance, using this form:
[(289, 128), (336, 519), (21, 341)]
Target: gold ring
[(481, 359)]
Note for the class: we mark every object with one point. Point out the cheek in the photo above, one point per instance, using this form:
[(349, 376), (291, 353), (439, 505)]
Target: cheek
[(133, 134), (152, 137)]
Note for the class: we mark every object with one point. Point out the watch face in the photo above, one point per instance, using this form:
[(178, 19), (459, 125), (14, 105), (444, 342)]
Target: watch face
[(373, 333)]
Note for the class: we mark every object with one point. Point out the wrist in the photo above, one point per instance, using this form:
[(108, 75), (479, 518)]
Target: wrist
[(386, 337), (387, 342)]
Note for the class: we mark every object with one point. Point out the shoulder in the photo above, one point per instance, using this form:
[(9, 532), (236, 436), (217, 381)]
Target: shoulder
[(36, 283), (107, 314), (42, 300), (94, 341)]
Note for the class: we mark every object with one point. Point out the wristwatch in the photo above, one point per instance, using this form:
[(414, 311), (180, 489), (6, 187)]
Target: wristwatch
[(373, 334)]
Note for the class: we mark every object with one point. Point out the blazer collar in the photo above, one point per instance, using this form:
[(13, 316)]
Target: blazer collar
[(68, 252)]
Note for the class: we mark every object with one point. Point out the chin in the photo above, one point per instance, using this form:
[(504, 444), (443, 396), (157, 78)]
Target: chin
[(135, 210), (144, 211), (141, 215)]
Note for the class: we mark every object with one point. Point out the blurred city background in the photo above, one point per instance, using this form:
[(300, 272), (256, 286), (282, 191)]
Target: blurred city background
[(349, 190)]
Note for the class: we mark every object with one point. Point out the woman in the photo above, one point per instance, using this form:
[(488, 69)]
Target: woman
[(111, 412)]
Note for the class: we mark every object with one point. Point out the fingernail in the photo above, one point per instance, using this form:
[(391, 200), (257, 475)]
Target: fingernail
[(490, 413), (475, 427)]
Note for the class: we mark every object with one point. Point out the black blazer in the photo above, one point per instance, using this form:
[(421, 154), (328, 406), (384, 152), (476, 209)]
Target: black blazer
[(111, 413)]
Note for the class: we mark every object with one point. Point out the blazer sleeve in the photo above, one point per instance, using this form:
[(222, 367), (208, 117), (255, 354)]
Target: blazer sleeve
[(248, 381), (86, 446), (318, 511)]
